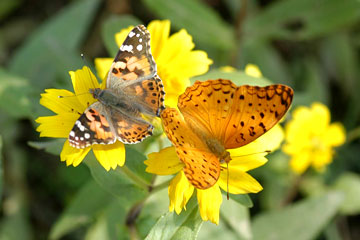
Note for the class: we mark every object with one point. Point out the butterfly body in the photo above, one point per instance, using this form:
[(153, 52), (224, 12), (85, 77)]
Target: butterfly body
[(133, 88), (217, 115)]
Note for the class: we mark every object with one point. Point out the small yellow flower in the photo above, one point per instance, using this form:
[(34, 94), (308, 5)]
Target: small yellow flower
[(310, 138), (68, 109), (253, 70), (176, 60), (235, 179)]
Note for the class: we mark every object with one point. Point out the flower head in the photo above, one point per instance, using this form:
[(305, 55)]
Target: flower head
[(68, 109), (176, 60), (310, 138), (234, 177)]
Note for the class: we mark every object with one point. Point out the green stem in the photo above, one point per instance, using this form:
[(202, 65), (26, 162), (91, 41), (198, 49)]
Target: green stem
[(160, 186), (139, 181), (353, 135)]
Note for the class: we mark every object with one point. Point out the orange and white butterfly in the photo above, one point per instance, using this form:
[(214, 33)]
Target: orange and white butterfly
[(132, 88), (217, 115)]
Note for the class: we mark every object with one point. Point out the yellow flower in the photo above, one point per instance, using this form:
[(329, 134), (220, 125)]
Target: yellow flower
[(236, 180), (310, 138), (68, 109), (176, 60), (253, 70)]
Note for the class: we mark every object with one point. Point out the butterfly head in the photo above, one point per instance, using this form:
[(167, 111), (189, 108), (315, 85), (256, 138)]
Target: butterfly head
[(96, 92), (218, 149)]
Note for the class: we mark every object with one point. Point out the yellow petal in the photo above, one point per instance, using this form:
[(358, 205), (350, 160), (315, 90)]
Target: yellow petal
[(111, 155), (197, 63), (180, 191), (61, 101), (73, 156), (320, 118), (335, 135), (239, 182), (159, 32), (320, 159), (121, 36), (270, 141), (57, 126), (253, 70), (165, 162), (247, 162), (102, 66), (300, 162), (83, 80), (209, 203)]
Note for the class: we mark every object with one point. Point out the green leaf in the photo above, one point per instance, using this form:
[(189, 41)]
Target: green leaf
[(115, 24), (300, 221), (117, 181), (243, 199), (14, 95), (340, 59), (53, 146), (52, 47), (110, 224), (239, 78), (1, 169), (7, 6), (135, 162), (302, 20), (202, 22), (312, 79), (237, 218), (171, 226), (264, 55), (156, 205), (82, 210), (349, 183)]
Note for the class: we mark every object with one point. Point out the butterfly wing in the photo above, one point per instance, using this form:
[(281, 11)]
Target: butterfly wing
[(202, 167), (129, 130), (255, 111), (92, 127), (234, 115), (149, 95), (134, 72), (133, 60)]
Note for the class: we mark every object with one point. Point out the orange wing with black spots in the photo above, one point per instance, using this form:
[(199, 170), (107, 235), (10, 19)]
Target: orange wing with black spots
[(234, 115), (217, 115), (202, 167)]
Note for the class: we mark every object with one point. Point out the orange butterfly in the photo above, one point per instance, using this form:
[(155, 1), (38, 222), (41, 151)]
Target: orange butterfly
[(217, 115)]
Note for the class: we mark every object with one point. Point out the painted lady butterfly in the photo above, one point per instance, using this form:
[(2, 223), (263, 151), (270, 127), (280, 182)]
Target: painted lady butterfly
[(132, 88)]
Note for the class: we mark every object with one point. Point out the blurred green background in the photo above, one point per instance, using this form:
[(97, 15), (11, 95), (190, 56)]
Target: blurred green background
[(312, 46)]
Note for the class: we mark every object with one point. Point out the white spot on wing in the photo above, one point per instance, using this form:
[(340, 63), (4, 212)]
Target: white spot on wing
[(87, 135), (131, 34), (139, 47), (127, 48), (72, 134)]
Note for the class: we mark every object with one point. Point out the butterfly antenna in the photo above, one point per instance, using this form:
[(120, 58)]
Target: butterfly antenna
[(245, 155), (227, 180), (73, 95), (86, 64), (88, 70)]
